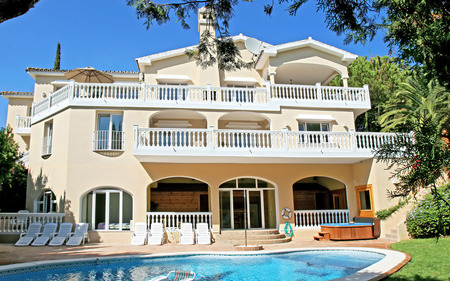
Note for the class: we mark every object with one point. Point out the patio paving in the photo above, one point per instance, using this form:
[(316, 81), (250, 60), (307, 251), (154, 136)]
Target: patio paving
[(10, 254)]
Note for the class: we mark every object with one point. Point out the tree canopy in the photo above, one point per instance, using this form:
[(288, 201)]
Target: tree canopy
[(8, 154), (419, 30), (384, 75), (13, 8)]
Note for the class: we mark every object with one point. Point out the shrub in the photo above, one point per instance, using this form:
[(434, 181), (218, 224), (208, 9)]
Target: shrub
[(431, 217)]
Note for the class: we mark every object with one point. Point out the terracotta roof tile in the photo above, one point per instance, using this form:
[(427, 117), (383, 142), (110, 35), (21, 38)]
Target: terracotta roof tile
[(11, 93), (37, 69)]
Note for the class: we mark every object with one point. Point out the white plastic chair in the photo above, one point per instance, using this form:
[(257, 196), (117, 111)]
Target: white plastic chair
[(139, 236), (156, 235), (202, 233), (26, 238), (79, 236), (65, 229), (47, 233), (186, 234)]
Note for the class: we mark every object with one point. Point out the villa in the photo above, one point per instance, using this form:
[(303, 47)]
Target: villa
[(173, 142)]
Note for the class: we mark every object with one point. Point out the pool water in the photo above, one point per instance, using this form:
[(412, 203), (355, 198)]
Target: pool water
[(303, 265)]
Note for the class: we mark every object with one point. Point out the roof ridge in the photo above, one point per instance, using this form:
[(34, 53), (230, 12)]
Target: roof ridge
[(39, 69)]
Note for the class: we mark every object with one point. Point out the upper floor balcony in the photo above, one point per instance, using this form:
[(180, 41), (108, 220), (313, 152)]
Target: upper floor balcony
[(269, 98), (256, 146), (23, 125)]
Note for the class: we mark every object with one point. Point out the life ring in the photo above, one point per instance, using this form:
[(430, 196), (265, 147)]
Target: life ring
[(286, 213)]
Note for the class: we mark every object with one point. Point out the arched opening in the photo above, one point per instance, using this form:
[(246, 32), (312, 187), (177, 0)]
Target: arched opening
[(304, 74), (248, 201), (244, 121), (46, 202), (178, 119), (178, 194), (107, 209), (319, 193)]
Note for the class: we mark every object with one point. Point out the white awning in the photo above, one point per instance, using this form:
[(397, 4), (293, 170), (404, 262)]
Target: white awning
[(173, 78), (315, 117), (241, 80)]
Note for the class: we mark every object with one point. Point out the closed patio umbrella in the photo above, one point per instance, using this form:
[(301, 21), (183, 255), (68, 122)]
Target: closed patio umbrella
[(89, 75)]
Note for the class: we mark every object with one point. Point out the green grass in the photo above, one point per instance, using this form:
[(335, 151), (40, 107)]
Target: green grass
[(430, 260)]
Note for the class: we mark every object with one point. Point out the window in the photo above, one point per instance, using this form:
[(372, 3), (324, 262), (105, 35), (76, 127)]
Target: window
[(108, 209), (314, 127), (48, 139), (172, 92), (46, 203), (240, 94), (109, 134), (364, 201)]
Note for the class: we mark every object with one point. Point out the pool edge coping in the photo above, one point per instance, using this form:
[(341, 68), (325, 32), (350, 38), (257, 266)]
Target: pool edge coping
[(392, 262)]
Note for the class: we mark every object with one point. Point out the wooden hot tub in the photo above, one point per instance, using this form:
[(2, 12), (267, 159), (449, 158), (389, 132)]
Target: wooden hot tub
[(348, 231)]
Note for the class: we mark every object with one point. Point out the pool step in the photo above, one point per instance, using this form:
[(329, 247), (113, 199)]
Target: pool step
[(323, 236), (254, 237)]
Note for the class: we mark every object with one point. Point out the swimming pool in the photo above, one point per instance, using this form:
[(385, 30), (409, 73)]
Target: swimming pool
[(298, 265)]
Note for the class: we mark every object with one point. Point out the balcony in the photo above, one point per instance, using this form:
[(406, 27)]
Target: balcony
[(253, 146), (108, 140), (23, 125), (269, 98)]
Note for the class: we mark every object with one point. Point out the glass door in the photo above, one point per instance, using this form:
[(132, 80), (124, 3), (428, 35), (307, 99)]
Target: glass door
[(238, 209), (254, 209)]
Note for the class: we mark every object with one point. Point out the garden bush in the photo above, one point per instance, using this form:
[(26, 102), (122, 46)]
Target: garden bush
[(431, 217)]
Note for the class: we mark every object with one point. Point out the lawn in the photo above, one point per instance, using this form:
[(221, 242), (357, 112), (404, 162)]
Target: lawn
[(430, 260)]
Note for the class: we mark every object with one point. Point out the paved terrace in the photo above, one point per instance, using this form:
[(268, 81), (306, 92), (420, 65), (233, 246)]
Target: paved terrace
[(10, 254)]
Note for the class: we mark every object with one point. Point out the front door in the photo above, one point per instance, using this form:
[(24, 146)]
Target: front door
[(251, 207)]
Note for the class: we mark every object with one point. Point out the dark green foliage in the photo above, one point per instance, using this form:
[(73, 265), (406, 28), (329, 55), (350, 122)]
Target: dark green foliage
[(8, 154), (13, 192), (13, 8), (431, 217), (418, 162), (384, 75), (57, 64)]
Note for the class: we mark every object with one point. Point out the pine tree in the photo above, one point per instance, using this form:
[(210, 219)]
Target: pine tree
[(58, 57)]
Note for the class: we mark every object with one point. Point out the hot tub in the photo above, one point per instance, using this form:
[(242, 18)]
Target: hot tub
[(348, 231)]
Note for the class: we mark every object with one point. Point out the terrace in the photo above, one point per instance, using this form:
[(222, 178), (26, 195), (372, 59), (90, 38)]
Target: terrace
[(268, 98)]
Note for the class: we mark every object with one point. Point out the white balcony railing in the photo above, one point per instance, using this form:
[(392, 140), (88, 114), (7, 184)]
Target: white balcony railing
[(106, 140), (172, 220), (210, 139), (142, 95), (313, 218), (23, 122), (46, 146), (19, 222)]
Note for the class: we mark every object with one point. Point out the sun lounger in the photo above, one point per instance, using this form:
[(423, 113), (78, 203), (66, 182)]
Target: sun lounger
[(139, 236), (186, 234), (156, 235), (65, 229), (202, 234), (47, 233), (176, 275), (26, 238), (79, 236)]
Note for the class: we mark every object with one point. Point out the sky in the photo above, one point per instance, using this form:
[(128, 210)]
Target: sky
[(107, 35)]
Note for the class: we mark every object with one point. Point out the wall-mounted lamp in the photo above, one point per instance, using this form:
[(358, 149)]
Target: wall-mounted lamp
[(44, 95)]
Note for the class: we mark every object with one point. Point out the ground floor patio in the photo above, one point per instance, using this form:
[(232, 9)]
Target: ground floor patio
[(9, 254)]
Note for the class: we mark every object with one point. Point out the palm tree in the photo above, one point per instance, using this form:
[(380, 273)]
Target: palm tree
[(417, 98)]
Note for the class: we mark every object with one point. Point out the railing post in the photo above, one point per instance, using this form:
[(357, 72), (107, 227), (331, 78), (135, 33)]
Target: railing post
[(268, 91), (135, 136), (72, 90), (143, 92), (319, 91), (208, 93), (366, 93), (285, 137), (211, 138), (353, 141)]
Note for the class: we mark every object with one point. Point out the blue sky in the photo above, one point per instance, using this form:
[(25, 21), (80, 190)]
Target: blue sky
[(107, 35)]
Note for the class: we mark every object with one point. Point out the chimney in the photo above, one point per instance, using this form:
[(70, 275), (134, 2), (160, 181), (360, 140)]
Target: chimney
[(206, 21)]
